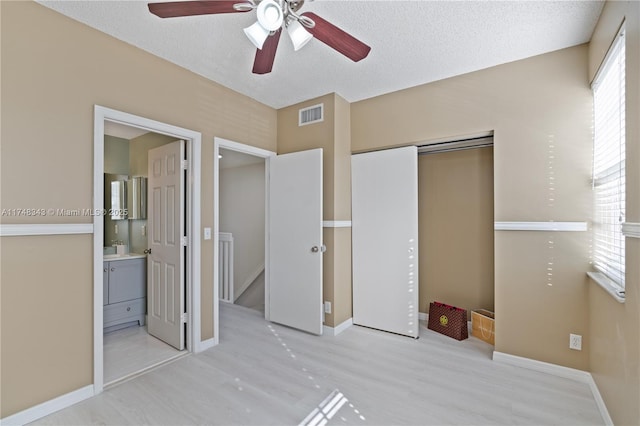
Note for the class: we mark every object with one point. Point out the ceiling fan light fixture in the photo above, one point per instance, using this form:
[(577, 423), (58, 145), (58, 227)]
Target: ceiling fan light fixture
[(257, 34), (270, 15), (306, 21), (298, 35), (243, 7)]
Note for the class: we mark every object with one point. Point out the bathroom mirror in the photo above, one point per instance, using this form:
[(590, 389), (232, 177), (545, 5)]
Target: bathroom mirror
[(136, 189), (118, 207), (116, 228)]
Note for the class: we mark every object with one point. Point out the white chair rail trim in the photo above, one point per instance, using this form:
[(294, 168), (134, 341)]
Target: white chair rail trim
[(336, 224), (541, 226), (20, 230), (631, 229)]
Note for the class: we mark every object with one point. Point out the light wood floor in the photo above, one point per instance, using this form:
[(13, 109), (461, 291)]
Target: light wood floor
[(266, 374), (132, 349)]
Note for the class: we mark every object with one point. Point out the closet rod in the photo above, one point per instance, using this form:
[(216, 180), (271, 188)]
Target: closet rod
[(436, 148)]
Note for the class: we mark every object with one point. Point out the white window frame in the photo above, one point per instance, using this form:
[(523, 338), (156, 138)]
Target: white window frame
[(609, 169)]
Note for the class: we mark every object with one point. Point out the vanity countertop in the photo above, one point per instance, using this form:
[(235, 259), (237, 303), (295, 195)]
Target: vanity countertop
[(129, 256)]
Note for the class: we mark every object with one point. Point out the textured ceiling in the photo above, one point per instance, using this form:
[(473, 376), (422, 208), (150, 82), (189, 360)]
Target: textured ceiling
[(413, 42)]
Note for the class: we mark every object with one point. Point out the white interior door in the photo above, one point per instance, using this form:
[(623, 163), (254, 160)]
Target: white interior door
[(295, 240), (165, 263), (385, 240)]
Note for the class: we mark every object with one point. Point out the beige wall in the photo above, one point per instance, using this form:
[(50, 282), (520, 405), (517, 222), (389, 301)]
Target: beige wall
[(540, 111), (54, 70), (333, 136), (47, 323), (615, 328), (342, 284), (116, 155), (455, 202)]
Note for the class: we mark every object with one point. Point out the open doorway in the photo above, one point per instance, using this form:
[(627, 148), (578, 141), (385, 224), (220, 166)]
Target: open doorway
[(129, 345), (293, 241), (456, 227), (125, 293), (240, 210), (242, 188)]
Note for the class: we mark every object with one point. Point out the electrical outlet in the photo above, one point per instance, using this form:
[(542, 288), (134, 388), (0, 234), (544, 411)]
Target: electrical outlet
[(327, 307), (575, 342), (143, 230)]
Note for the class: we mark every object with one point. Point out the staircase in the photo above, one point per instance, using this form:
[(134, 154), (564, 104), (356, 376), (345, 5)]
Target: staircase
[(253, 296)]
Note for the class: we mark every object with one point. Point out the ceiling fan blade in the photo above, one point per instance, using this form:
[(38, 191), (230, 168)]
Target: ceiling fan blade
[(337, 39), (190, 8), (265, 56)]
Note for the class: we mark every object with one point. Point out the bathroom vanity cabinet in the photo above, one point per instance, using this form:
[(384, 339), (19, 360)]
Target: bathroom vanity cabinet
[(124, 292)]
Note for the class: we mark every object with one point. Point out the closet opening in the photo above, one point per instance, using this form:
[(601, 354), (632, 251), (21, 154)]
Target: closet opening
[(423, 231), (456, 223)]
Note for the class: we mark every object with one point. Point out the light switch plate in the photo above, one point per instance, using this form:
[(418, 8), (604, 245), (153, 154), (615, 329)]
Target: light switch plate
[(207, 233)]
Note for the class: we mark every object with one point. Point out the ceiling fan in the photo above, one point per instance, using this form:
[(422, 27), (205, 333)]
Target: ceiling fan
[(272, 17)]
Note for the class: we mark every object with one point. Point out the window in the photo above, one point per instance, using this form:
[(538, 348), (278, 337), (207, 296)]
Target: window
[(609, 163)]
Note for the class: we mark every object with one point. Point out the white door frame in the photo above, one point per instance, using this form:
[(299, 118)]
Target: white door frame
[(219, 143), (194, 141)]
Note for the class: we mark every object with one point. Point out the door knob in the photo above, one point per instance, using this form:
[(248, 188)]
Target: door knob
[(321, 249), (147, 251)]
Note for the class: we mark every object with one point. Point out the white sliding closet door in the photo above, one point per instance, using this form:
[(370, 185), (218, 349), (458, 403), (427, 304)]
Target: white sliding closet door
[(385, 240)]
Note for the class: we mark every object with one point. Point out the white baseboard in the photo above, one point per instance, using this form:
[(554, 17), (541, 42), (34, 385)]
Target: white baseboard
[(49, 407), (559, 371), (544, 367), (206, 344), (334, 331), (600, 402), (248, 282)]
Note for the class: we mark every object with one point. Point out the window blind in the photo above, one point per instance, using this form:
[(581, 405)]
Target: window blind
[(609, 163)]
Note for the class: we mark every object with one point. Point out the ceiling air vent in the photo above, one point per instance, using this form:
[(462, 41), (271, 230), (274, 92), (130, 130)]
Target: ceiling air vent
[(312, 114)]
